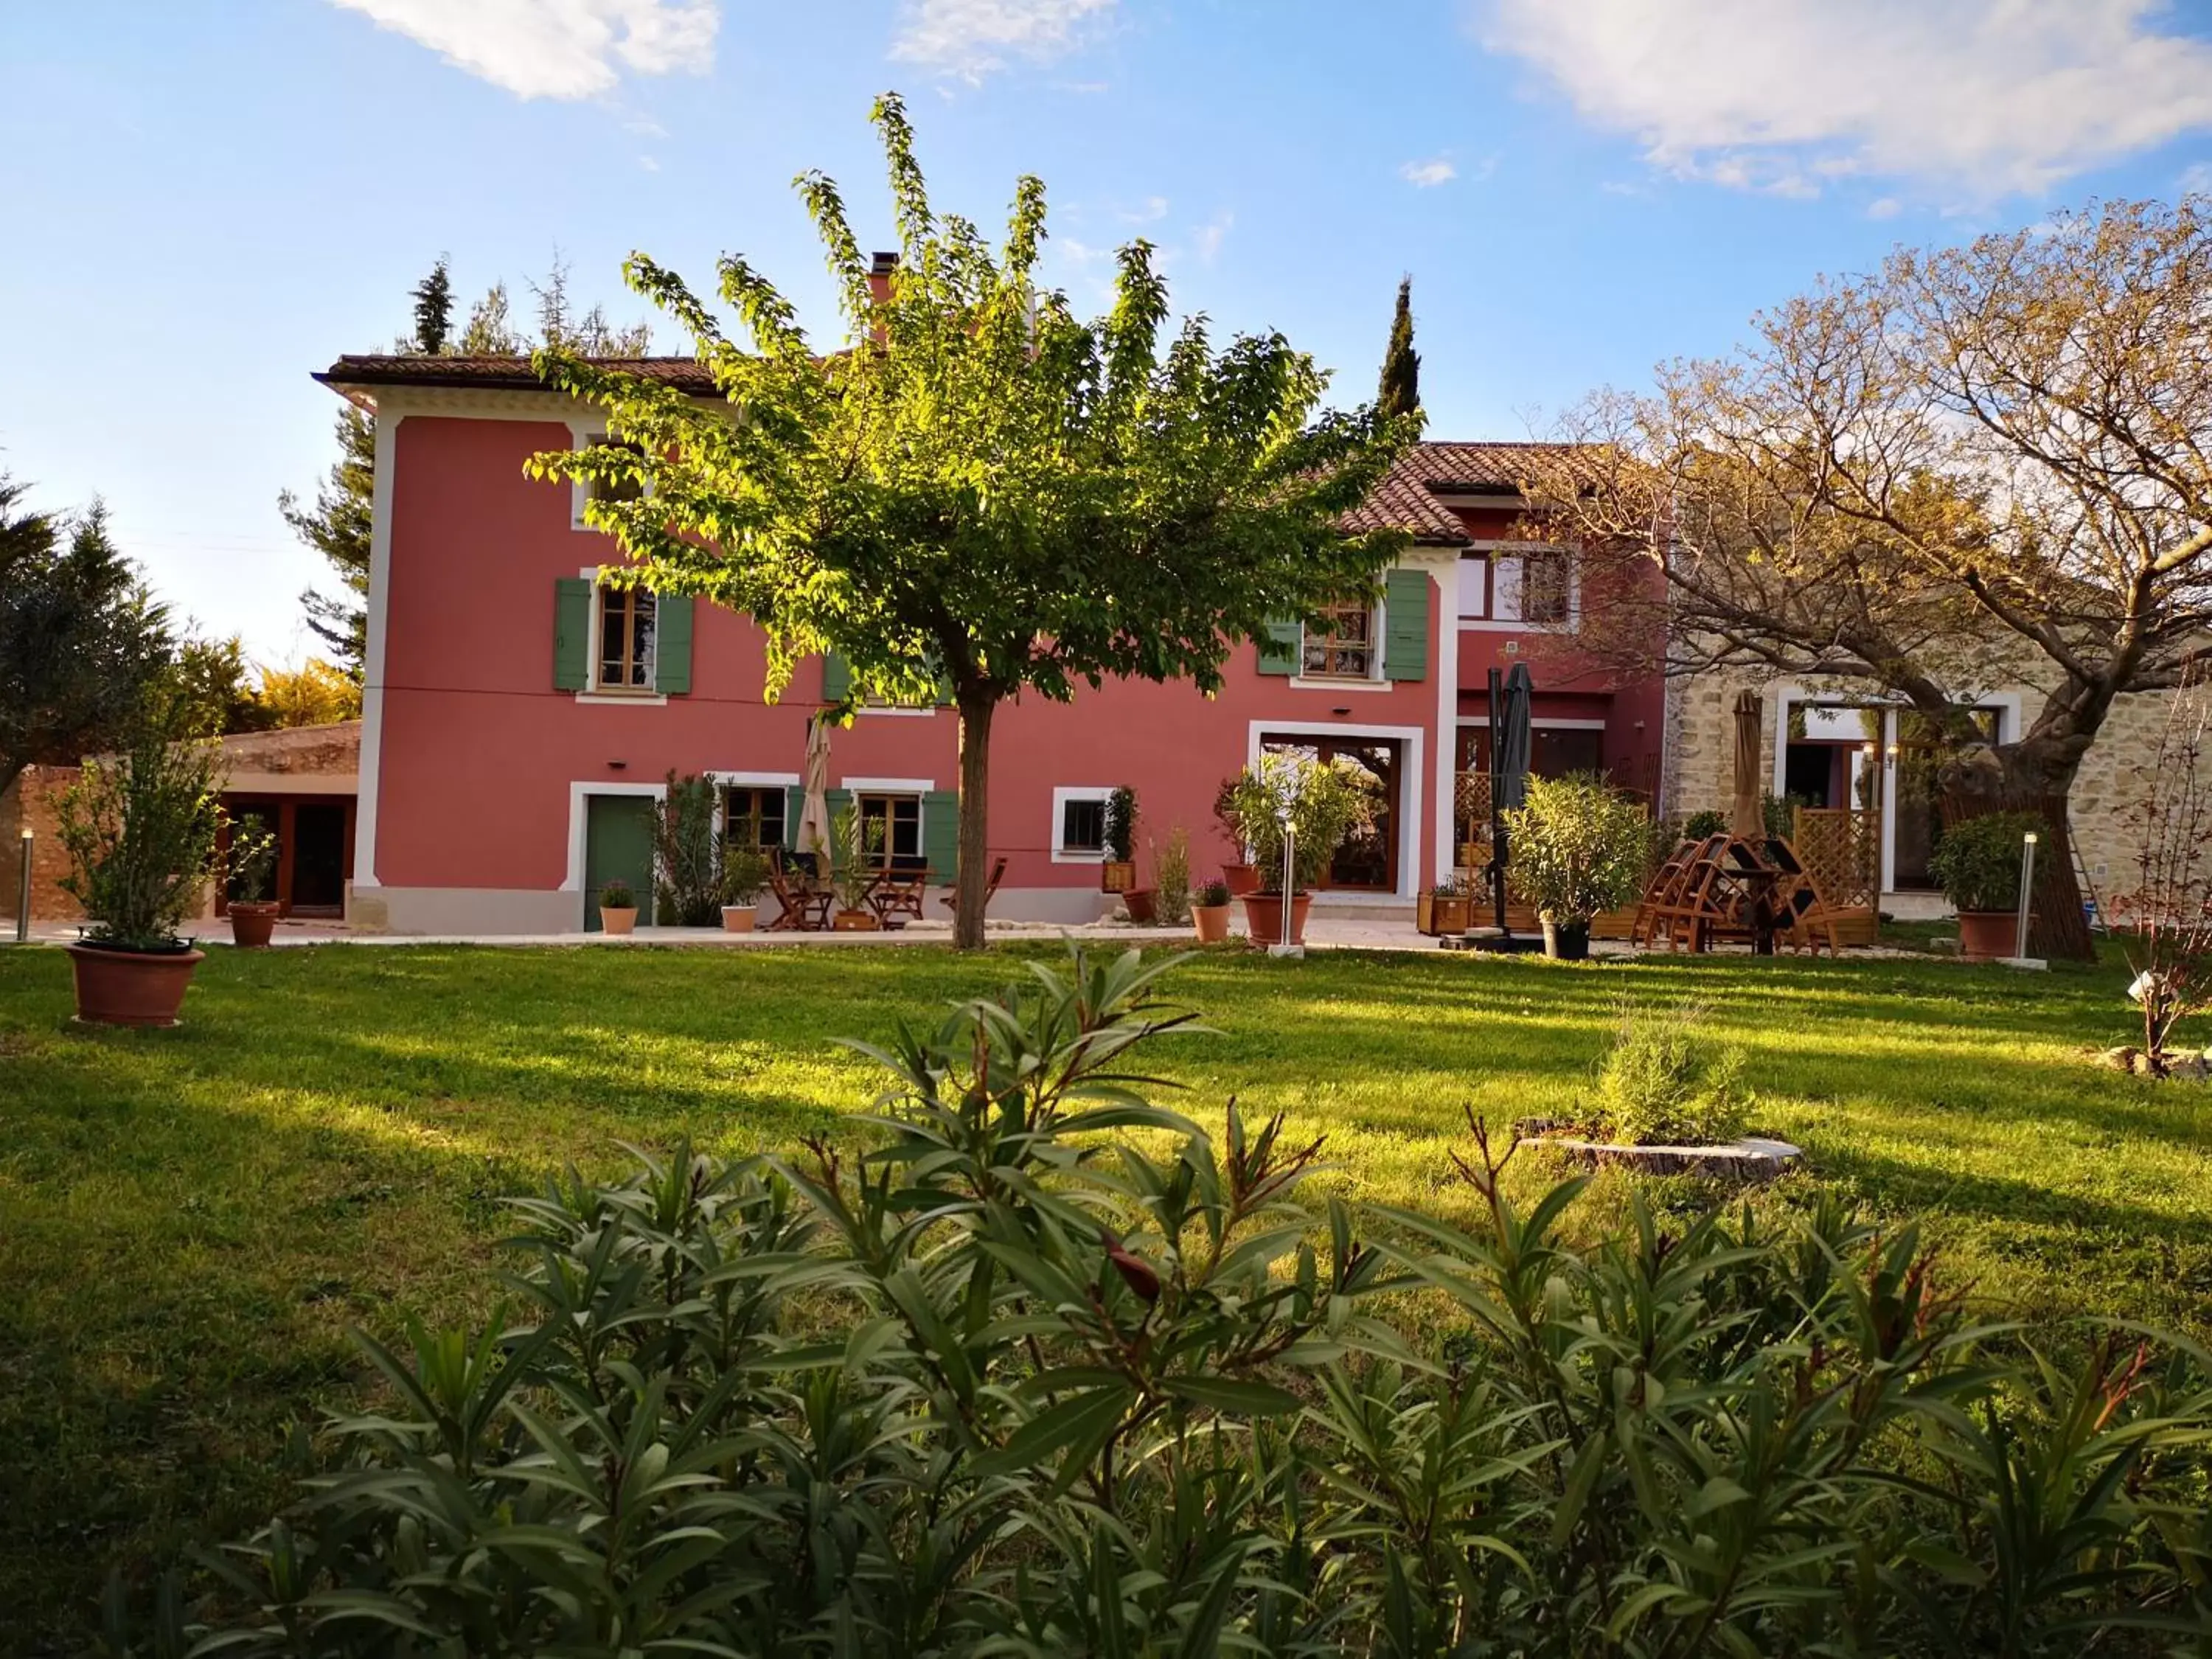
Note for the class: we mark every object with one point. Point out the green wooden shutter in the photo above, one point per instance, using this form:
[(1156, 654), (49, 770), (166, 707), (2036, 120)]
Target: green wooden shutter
[(794, 803), (838, 801), (671, 643), (837, 678), (940, 832), (1405, 625), (572, 634), (1282, 647)]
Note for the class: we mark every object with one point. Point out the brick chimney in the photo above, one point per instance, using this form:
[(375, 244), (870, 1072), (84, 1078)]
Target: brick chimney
[(880, 267)]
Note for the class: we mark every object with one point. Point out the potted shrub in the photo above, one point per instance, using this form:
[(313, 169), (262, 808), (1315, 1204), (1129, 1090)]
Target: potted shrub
[(854, 876), (1577, 846), (140, 831), (617, 909), (1325, 805), (1978, 862), (1118, 873), (1209, 912), (744, 873), (252, 861), (1240, 877)]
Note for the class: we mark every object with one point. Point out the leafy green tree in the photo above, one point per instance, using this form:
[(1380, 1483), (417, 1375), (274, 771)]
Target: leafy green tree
[(982, 493), (210, 687), (82, 640), (1400, 393)]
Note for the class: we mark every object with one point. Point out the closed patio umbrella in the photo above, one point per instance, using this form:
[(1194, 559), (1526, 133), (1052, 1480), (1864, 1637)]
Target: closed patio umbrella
[(1746, 820), (813, 834), (1510, 769)]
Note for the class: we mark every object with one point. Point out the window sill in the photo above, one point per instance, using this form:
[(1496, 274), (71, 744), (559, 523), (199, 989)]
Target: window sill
[(1302, 682), (1076, 855), (637, 699), (1485, 625), (898, 714)]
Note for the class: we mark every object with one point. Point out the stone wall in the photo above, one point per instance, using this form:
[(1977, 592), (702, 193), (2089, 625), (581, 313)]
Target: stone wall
[(2106, 796), (30, 801)]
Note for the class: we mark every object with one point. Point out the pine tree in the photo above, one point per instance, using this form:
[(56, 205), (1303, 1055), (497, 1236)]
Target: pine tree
[(434, 310), (1400, 393), (338, 528)]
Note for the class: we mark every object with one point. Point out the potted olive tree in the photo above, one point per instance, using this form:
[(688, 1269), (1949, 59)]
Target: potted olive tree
[(252, 861), (1240, 877), (1323, 805), (1576, 847), (1978, 861), (744, 873), (140, 829), (617, 909)]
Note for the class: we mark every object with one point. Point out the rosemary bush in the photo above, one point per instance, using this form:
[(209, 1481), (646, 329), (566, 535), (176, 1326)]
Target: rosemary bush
[(1003, 1377)]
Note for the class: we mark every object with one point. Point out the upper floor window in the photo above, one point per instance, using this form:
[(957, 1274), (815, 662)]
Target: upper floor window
[(1520, 583), (625, 657), (1343, 647)]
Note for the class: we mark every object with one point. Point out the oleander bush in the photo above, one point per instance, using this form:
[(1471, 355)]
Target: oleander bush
[(1038, 1366)]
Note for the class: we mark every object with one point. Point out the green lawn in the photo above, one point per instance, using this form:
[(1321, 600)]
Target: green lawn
[(189, 1221)]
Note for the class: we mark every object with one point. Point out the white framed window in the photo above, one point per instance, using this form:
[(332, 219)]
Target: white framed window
[(623, 639), (1079, 823), (1347, 647), (584, 491), (1511, 584)]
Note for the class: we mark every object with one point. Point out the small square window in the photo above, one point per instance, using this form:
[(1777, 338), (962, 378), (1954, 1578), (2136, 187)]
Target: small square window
[(1343, 648), (1082, 826), (753, 817), (900, 818)]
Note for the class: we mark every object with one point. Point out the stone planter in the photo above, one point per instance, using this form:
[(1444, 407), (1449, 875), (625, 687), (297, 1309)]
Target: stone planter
[(1989, 935), (740, 918), (1211, 922), (141, 989), (1141, 905), (618, 921), (1242, 879), (1263, 917), (252, 923), (1566, 941), (856, 921)]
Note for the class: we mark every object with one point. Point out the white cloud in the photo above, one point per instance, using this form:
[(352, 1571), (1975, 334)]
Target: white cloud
[(1207, 239), (969, 38), (1984, 97), (1149, 211), (1884, 207), (2196, 179), (1425, 175), (555, 48)]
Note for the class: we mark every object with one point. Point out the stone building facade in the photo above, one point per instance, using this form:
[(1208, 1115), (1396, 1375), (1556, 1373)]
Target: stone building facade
[(28, 804)]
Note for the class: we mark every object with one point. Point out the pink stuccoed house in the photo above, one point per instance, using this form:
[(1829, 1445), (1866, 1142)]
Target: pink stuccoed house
[(517, 714)]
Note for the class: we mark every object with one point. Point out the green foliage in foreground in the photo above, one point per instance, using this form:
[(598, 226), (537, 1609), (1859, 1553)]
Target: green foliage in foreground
[(1048, 1370)]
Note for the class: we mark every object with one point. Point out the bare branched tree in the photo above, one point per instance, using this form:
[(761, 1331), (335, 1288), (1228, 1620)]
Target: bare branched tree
[(2168, 917), (1977, 467)]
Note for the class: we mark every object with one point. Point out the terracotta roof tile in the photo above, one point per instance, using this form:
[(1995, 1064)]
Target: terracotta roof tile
[(500, 374), (1407, 499)]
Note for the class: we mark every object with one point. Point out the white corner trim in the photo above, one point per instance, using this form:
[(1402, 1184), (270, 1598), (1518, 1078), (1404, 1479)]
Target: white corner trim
[(577, 790), (1061, 794), (1409, 771), (888, 785), (373, 671), (1300, 683), (1447, 757)]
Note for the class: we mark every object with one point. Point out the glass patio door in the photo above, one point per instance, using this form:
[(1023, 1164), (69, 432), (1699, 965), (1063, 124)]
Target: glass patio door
[(1368, 860)]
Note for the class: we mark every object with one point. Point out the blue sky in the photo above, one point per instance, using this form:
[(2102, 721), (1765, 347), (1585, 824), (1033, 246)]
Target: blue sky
[(207, 202)]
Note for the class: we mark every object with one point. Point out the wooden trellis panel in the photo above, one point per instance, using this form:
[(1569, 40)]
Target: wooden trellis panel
[(1841, 850)]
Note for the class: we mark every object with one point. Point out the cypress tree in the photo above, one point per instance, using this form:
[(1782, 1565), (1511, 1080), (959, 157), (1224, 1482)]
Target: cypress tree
[(1400, 393), (434, 310)]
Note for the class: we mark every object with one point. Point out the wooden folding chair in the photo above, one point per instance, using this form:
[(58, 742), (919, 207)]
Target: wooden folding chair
[(998, 874), (900, 892), (802, 902)]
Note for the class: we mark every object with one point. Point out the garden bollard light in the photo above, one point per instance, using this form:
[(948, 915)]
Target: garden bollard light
[(23, 896), (2026, 893)]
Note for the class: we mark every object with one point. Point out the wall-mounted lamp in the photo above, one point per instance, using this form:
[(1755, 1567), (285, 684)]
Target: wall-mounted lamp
[(618, 766), (1340, 711)]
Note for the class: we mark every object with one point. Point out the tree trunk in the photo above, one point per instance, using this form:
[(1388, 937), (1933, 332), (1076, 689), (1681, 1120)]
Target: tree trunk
[(973, 880), (2027, 777)]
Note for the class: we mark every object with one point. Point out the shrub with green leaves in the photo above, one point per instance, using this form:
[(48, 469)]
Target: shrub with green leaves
[(1978, 859), (1004, 1378), (140, 829), (1577, 846), (1665, 1082)]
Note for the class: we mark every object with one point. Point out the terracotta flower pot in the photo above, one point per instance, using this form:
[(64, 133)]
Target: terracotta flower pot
[(1141, 906), (1263, 917), (1566, 941), (1989, 935), (1211, 921), (252, 923), (856, 921), (130, 988), (617, 922), (740, 918), (1242, 879)]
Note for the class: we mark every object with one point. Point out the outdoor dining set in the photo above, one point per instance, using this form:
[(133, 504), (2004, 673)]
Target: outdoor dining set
[(895, 892)]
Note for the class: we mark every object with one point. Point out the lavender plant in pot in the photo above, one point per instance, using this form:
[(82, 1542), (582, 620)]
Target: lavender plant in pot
[(1209, 912), (140, 829)]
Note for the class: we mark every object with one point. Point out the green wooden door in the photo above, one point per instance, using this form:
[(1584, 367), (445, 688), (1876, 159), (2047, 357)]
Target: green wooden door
[(617, 847)]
